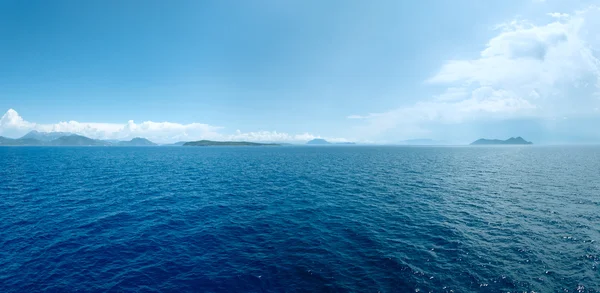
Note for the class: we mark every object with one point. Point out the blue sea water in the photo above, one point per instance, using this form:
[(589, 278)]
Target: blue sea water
[(300, 219)]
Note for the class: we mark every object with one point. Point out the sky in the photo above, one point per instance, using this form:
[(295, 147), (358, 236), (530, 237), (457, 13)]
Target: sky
[(269, 70)]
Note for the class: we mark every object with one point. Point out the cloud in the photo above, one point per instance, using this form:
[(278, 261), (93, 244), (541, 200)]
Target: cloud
[(371, 115), (524, 71), (276, 136), (12, 124), (558, 15), (452, 94), (11, 119), (483, 102)]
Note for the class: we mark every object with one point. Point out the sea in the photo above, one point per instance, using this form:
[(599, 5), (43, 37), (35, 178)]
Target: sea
[(300, 219)]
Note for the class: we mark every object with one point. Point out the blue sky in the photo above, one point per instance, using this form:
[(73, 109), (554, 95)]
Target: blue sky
[(372, 71)]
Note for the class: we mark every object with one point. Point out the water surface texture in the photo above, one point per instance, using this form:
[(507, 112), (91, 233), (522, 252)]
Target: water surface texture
[(300, 219)]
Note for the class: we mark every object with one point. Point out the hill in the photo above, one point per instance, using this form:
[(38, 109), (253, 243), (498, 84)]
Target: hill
[(77, 140), (138, 141), (5, 141), (318, 141), (45, 136), (511, 141), (35, 138), (226, 143)]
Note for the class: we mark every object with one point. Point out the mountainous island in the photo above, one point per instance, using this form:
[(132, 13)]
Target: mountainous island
[(5, 141), (511, 141), (76, 140), (138, 141), (226, 143), (36, 138), (45, 136), (318, 141)]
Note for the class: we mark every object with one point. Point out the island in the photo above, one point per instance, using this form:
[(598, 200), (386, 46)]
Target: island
[(77, 140), (511, 141), (36, 138), (43, 139), (138, 141), (226, 143), (45, 136), (5, 141), (318, 141)]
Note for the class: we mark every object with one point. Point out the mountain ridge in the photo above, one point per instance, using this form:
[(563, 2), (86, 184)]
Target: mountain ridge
[(77, 140), (318, 141), (45, 136), (137, 141), (37, 138), (511, 141)]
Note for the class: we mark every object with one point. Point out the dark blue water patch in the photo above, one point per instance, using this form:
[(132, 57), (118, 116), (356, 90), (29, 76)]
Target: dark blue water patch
[(299, 219)]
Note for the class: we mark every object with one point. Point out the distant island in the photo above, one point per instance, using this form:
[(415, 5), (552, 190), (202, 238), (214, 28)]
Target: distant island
[(318, 141), (138, 141), (511, 141), (45, 136), (36, 138), (77, 140), (226, 143)]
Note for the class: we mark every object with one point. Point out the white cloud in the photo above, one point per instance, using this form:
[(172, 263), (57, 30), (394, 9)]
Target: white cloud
[(558, 15), (525, 70), (12, 124), (11, 119), (275, 136), (483, 102)]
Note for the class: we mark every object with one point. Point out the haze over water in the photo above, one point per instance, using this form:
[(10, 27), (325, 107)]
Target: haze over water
[(298, 219)]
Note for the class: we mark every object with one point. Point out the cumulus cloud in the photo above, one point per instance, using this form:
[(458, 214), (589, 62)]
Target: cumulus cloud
[(13, 125), (525, 70), (12, 119)]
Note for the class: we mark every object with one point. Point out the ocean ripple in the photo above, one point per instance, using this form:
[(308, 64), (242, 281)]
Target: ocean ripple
[(300, 219)]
